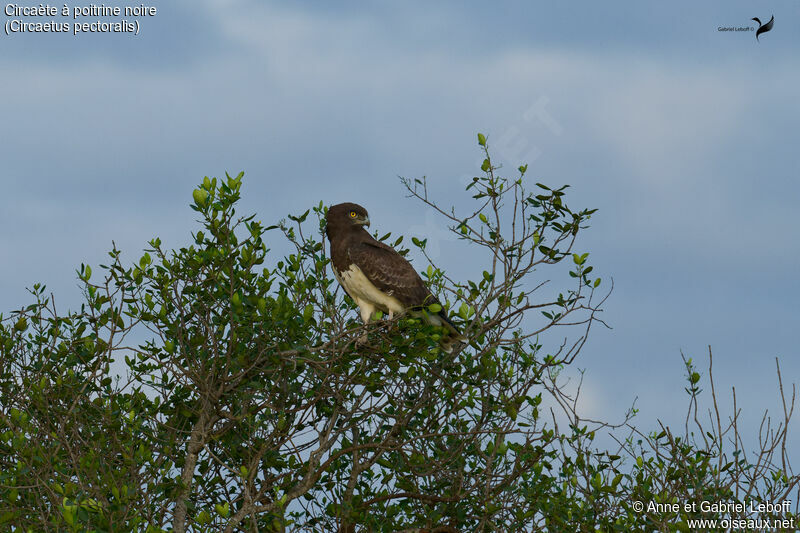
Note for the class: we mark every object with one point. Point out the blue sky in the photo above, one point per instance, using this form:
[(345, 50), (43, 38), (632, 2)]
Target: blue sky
[(684, 137)]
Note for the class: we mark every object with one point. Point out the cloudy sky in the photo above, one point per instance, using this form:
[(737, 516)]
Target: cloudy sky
[(683, 136)]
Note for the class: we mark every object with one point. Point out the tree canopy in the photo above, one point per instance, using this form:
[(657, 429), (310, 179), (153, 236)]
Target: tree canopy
[(253, 405)]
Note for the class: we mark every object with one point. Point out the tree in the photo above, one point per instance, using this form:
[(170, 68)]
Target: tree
[(252, 407)]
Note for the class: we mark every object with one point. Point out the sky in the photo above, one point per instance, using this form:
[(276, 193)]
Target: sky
[(683, 137)]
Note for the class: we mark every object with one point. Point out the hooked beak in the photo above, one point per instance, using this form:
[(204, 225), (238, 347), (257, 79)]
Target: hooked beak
[(365, 222)]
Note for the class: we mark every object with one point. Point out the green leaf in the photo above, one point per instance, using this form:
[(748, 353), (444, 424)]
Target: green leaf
[(579, 259), (91, 504), (68, 511), (203, 518), (9, 516), (482, 139), (200, 197), (223, 509)]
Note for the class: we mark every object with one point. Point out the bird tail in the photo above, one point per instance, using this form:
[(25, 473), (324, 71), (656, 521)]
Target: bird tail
[(448, 324), (453, 337)]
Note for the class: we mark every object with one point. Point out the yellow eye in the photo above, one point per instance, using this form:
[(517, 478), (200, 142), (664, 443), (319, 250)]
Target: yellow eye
[(353, 214)]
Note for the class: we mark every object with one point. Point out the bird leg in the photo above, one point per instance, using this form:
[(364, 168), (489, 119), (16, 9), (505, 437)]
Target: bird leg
[(365, 316)]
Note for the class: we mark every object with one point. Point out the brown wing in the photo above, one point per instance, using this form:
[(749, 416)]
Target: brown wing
[(391, 273)]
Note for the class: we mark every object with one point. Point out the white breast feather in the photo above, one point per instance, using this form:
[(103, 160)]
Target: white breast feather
[(366, 295)]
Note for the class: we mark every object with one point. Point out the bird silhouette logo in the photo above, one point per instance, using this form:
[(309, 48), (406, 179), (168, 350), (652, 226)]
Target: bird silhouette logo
[(763, 28)]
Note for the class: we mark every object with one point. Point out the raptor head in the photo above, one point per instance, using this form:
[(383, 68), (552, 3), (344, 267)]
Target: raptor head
[(342, 217)]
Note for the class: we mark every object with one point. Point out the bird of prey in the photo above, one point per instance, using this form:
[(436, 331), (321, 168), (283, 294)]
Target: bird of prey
[(375, 276), (763, 28)]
